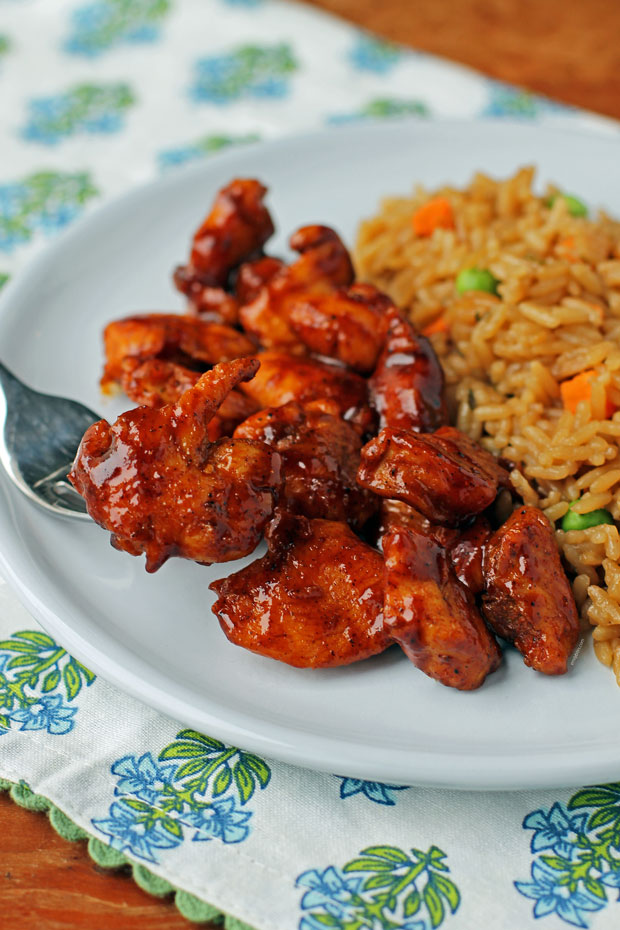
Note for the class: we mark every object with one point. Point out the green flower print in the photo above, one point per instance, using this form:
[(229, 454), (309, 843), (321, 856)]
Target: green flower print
[(47, 200), (385, 888), (248, 71), (207, 145), (576, 850), (92, 108), (372, 54), (514, 103), (103, 24), (198, 787), (382, 108), (38, 683)]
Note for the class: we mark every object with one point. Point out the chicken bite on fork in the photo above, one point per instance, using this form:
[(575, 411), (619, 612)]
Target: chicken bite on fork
[(156, 482)]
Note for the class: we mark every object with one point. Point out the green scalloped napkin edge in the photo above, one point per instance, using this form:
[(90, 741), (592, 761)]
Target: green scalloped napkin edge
[(187, 904)]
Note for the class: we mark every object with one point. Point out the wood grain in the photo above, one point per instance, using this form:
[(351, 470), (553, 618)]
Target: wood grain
[(47, 883), (568, 49)]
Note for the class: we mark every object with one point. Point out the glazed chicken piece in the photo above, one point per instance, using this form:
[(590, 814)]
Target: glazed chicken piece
[(213, 304), (397, 515), (407, 386), (432, 615), (324, 386), (155, 383), (444, 475), (349, 324), (314, 601), (465, 547), (156, 357), (320, 455), (234, 409), (467, 554), (185, 342), (237, 227), (528, 598), (253, 276), (323, 265), (161, 488)]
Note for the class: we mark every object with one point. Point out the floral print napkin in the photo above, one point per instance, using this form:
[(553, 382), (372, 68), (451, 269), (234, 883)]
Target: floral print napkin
[(97, 96)]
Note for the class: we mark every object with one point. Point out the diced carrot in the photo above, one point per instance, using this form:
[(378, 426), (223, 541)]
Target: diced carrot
[(440, 325), (566, 249), (579, 388), (436, 214)]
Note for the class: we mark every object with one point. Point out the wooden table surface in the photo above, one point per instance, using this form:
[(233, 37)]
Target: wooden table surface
[(568, 49)]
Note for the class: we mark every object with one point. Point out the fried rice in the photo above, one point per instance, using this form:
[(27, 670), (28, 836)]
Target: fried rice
[(556, 315)]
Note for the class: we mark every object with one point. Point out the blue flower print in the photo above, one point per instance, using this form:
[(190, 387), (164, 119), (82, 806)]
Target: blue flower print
[(553, 898), (221, 821), (47, 713), (330, 889), (509, 102), (5, 720), (576, 849), (373, 790), (553, 830), (208, 145), (88, 108), (142, 777), (384, 887), (612, 880), (129, 831), (381, 108), (196, 788), (376, 55), (105, 23), (249, 71), (46, 200), (35, 674)]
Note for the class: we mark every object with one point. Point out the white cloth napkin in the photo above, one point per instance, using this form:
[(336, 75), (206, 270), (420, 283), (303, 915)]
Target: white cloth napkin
[(95, 97)]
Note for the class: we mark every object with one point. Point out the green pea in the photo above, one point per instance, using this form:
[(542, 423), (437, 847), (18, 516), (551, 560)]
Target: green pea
[(476, 279), (581, 521), (575, 206)]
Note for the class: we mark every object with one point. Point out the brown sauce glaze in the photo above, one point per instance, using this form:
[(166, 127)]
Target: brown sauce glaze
[(314, 601), (432, 615), (407, 387), (528, 599), (443, 475), (161, 488), (320, 456)]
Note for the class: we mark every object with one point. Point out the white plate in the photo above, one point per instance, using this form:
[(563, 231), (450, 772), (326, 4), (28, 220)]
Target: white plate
[(155, 636)]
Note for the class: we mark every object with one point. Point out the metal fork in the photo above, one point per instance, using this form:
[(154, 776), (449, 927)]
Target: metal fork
[(38, 442)]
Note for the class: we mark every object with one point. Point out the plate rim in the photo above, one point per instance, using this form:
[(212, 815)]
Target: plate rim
[(279, 745)]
